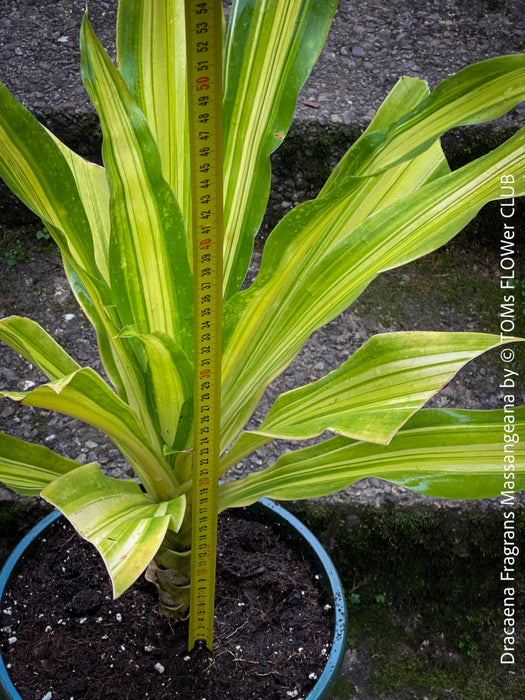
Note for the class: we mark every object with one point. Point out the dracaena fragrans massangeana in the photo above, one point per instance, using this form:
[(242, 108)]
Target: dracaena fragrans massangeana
[(123, 234)]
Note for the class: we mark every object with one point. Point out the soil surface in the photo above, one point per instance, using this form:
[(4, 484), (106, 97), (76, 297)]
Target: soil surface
[(63, 634)]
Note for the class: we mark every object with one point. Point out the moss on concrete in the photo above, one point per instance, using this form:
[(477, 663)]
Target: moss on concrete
[(313, 151), (425, 600)]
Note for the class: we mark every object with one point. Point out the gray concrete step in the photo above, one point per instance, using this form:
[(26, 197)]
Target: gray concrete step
[(371, 44)]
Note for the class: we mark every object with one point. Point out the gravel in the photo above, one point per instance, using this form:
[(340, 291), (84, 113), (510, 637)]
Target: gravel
[(370, 45)]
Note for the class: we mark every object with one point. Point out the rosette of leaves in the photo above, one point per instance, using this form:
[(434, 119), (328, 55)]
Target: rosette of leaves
[(123, 229)]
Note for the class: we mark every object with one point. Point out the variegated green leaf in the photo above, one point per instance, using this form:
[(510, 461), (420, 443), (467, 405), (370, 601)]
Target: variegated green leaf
[(371, 395), (34, 168), (304, 282), (453, 454), (370, 194), (93, 191), (104, 320), (31, 341), (247, 442), (84, 395), (171, 379), (151, 54), (28, 468), (149, 267), (123, 523), (120, 362), (97, 303), (476, 94), (400, 180), (270, 50)]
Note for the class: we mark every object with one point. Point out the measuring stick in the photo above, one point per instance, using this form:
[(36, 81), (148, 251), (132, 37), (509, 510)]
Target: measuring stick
[(204, 58)]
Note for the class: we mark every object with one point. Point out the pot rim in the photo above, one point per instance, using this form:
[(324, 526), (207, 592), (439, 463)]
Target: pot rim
[(334, 661)]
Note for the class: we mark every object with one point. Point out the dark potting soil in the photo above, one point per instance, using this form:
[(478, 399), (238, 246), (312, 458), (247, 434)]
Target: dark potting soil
[(273, 627)]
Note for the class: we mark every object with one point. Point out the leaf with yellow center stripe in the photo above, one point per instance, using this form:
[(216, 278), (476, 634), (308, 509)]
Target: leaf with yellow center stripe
[(151, 55), (28, 468), (170, 377), (148, 257), (478, 93), (93, 190), (32, 165), (125, 524), (438, 452), (271, 48), (304, 283), (31, 341), (84, 395), (371, 395)]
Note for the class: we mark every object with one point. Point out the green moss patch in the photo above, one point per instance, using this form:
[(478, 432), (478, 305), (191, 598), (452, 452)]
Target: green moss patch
[(425, 602)]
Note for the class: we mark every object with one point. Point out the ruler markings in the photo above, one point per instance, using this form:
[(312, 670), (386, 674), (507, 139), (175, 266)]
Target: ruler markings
[(204, 54)]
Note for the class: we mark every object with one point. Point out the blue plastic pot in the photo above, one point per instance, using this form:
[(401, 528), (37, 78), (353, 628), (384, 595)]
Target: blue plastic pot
[(264, 510)]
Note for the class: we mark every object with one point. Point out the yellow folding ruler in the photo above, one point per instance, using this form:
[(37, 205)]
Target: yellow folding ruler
[(204, 57)]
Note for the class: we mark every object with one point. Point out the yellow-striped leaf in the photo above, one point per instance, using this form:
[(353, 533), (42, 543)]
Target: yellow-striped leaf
[(170, 374), (151, 55), (84, 395), (371, 395), (31, 341), (104, 319), (304, 282), (476, 94), (452, 454), (271, 48), (149, 267), (123, 523), (28, 468), (34, 168), (396, 181), (93, 191)]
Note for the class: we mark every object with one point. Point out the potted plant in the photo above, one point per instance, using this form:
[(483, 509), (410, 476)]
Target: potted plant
[(123, 234)]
